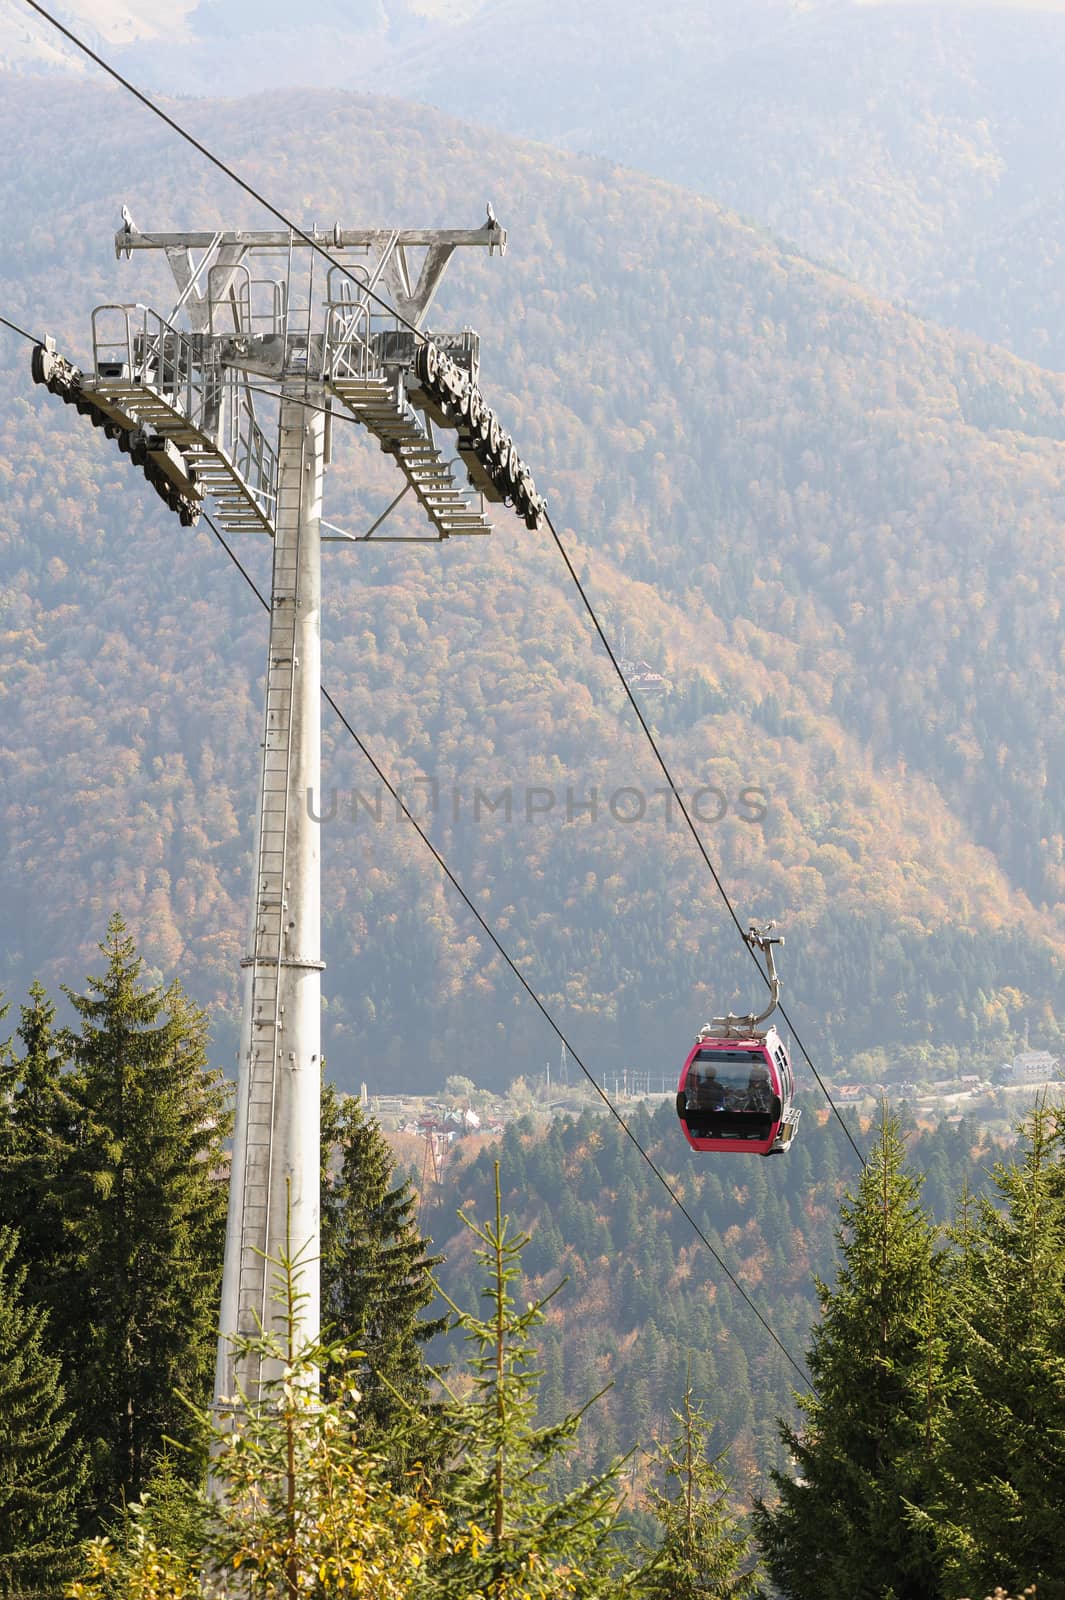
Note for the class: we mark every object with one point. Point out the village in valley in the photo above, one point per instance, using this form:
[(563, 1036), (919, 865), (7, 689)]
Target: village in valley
[(429, 1132)]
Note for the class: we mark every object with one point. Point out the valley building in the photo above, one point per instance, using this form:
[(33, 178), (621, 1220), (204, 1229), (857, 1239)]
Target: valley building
[(1031, 1066)]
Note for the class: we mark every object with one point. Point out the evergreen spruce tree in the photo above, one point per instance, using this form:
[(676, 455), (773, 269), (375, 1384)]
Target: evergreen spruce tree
[(511, 1537), (375, 1267), (868, 1448), (42, 1464), (136, 1292), (39, 1129), (704, 1552), (8, 1137), (1001, 1517)]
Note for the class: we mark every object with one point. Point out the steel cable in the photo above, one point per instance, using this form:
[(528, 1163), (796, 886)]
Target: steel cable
[(667, 774)]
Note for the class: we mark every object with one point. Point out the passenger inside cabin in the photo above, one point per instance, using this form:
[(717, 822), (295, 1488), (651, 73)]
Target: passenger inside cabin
[(759, 1092), (708, 1094)]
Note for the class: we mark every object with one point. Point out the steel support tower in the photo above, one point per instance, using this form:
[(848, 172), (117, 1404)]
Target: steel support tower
[(229, 397), (274, 1178)]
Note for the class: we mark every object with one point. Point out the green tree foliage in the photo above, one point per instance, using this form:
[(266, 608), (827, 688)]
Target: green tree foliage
[(375, 1267), (1001, 1510), (704, 1553), (870, 1436), (42, 1463), (650, 1288), (518, 1538), (1000, 1594), (39, 1130), (135, 1288), (299, 1507)]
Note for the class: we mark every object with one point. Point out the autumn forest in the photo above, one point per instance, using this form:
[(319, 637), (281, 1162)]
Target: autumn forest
[(778, 330)]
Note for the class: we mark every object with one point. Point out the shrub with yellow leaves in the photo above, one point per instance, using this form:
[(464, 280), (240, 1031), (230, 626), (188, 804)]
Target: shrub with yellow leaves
[(297, 1509)]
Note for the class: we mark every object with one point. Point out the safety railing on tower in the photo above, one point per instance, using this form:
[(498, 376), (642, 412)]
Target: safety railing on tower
[(175, 383)]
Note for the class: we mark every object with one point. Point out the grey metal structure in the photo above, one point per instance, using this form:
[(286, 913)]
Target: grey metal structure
[(748, 1026), (228, 397)]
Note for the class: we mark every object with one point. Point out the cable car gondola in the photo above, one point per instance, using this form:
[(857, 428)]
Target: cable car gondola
[(736, 1087)]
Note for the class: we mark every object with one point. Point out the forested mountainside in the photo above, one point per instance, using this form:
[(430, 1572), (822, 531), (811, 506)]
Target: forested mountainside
[(914, 147), (834, 529), (643, 1291)]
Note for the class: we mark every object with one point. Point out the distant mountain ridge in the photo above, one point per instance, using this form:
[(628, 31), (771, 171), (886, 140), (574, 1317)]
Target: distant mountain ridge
[(913, 147), (892, 142), (834, 529)]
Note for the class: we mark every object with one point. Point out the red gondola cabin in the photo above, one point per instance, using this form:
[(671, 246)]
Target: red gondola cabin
[(736, 1088)]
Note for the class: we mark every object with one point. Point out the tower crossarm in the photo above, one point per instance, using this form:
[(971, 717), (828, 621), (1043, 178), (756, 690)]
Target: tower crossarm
[(235, 291), (409, 283), (333, 240)]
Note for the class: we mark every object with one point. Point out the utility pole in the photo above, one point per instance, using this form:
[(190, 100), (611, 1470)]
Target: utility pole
[(231, 396), (432, 1161)]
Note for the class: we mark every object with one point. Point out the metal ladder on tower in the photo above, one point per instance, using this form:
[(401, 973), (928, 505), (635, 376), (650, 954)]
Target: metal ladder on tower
[(240, 506), (377, 397), (267, 1023), (381, 404)]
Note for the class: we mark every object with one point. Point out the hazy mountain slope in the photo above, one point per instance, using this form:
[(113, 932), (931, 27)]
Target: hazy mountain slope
[(234, 46), (786, 495), (914, 147), (1006, 280)]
